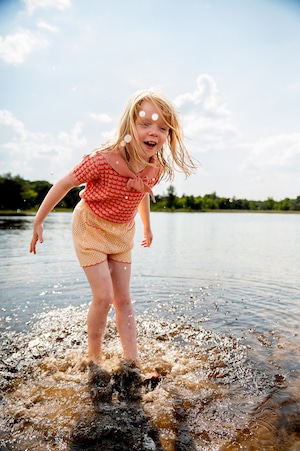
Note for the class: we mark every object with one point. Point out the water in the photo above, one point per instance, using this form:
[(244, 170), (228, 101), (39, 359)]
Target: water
[(216, 299)]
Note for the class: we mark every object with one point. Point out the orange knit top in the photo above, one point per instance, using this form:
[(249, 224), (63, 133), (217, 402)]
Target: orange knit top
[(112, 191)]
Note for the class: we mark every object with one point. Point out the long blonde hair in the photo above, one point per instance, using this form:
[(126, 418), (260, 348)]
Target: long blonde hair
[(173, 156)]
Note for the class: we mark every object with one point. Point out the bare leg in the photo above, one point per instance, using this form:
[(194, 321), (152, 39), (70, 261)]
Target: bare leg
[(99, 278), (120, 274)]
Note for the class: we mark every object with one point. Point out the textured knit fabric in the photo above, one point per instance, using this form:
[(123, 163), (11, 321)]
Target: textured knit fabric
[(96, 239), (109, 194)]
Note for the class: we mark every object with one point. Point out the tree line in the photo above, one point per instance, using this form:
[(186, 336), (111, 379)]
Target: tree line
[(209, 202), (18, 194)]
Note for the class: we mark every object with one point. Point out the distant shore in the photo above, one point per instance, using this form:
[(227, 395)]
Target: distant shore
[(163, 210)]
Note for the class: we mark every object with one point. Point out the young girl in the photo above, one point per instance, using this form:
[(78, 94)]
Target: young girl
[(118, 179)]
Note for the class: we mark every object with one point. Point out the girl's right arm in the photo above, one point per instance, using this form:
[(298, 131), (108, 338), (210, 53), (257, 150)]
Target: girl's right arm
[(54, 196)]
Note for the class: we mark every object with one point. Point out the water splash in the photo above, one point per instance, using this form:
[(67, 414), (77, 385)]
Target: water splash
[(210, 395)]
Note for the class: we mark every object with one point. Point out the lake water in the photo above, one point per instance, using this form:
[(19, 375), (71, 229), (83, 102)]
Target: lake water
[(217, 302)]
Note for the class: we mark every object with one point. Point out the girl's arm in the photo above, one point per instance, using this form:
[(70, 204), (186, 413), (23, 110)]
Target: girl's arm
[(144, 210), (55, 194)]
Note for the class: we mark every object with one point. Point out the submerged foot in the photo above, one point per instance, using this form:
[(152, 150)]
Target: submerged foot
[(95, 359), (100, 383), (150, 380), (127, 381), (130, 383)]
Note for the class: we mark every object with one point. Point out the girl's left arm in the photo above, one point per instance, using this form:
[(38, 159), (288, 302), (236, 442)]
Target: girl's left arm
[(144, 210)]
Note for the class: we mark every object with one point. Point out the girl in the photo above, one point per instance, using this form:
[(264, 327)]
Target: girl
[(118, 179)]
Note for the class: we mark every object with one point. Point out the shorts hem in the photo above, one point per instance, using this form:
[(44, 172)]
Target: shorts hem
[(104, 260), (120, 261), (93, 264)]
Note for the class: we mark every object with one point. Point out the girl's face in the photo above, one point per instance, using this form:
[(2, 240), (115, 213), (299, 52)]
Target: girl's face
[(151, 129)]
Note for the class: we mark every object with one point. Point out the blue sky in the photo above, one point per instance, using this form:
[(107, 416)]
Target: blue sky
[(68, 67)]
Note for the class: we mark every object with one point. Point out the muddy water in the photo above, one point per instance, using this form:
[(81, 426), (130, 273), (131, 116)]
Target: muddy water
[(219, 325)]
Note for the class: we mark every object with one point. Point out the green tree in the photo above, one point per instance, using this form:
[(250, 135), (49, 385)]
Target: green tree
[(190, 202), (41, 188), (171, 197), (198, 203), (270, 203), (294, 204), (12, 190), (71, 198)]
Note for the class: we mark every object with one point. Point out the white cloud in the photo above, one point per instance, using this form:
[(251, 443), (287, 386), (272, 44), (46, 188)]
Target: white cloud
[(44, 25), (294, 86), (206, 94), (274, 153), (8, 119), (207, 120), (16, 47), (34, 152), (104, 118), (32, 5)]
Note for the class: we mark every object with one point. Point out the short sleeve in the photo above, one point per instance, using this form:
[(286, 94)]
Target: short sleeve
[(90, 168)]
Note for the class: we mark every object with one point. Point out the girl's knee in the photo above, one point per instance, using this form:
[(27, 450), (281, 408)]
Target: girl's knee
[(123, 302), (103, 302)]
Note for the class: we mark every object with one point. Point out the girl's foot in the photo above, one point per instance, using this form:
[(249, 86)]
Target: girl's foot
[(100, 383), (95, 359), (145, 373)]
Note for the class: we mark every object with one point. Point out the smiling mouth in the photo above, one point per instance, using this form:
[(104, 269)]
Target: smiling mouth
[(150, 143)]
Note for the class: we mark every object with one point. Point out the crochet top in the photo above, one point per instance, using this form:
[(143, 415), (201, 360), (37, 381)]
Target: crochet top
[(113, 192)]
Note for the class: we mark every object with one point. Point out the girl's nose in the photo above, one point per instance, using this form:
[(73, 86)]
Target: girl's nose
[(153, 130)]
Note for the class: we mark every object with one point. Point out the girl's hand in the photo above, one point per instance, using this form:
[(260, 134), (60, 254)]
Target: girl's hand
[(148, 237), (37, 236)]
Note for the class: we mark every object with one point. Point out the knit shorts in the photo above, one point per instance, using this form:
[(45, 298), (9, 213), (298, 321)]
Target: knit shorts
[(96, 239)]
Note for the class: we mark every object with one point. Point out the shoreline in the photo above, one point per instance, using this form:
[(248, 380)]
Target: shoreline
[(164, 210)]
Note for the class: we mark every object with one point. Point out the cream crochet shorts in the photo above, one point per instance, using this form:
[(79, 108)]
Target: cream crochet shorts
[(96, 239)]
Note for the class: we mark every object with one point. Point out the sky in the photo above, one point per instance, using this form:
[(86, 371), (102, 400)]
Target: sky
[(232, 68)]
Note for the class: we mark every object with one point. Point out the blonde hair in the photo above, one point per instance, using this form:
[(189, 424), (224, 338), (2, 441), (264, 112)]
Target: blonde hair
[(173, 156)]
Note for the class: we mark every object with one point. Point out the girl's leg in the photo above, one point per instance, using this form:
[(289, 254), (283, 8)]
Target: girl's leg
[(120, 274), (102, 290)]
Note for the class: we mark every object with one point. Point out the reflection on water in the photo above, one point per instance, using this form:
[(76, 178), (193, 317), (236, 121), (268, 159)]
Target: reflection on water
[(220, 325), (14, 222), (211, 394)]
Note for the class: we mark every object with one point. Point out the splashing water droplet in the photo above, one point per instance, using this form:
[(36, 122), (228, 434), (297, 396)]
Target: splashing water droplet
[(127, 138), (125, 267), (142, 113), (154, 116), (126, 197), (123, 143)]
